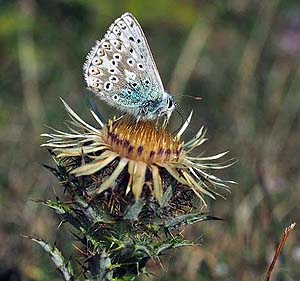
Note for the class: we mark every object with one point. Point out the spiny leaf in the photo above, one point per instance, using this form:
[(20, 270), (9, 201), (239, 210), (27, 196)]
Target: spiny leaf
[(105, 272), (134, 211), (64, 266), (59, 207), (188, 219), (67, 214), (165, 247), (166, 197), (91, 213)]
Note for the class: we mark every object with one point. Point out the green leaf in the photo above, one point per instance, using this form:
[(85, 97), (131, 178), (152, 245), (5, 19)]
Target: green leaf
[(102, 268), (91, 213), (105, 272), (173, 245), (134, 211), (65, 212), (64, 266), (188, 219), (167, 196)]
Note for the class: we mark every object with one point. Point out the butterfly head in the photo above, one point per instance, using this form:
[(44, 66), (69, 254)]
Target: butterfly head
[(169, 105), (154, 109)]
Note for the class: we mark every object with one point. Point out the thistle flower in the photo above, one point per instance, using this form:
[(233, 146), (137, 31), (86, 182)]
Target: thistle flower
[(141, 150), (130, 188)]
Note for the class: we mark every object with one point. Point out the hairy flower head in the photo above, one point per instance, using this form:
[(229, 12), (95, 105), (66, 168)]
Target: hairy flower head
[(140, 149)]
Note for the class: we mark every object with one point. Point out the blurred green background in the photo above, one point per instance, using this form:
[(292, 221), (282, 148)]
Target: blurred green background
[(241, 56)]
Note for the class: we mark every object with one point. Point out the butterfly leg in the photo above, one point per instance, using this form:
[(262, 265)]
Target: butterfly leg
[(120, 117), (165, 123), (138, 118)]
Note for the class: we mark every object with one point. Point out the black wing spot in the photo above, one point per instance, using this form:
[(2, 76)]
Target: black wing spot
[(117, 56), (94, 70), (106, 46), (97, 61), (130, 62), (108, 86), (113, 79), (100, 53)]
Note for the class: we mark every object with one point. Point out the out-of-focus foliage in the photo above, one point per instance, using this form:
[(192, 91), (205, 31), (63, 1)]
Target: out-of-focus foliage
[(241, 57)]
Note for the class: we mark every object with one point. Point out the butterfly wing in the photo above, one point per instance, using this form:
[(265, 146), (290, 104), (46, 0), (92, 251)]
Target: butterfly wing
[(120, 68)]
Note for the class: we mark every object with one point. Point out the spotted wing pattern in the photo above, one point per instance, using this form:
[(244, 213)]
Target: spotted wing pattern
[(120, 68)]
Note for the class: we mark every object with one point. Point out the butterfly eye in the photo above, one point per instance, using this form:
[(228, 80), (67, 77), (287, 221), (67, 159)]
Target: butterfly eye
[(94, 70), (170, 103)]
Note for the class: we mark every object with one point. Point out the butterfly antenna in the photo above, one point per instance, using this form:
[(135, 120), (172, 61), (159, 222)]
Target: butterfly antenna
[(180, 110), (181, 113), (193, 97), (93, 107), (183, 117)]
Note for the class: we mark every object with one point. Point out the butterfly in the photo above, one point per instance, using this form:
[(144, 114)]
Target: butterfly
[(120, 70)]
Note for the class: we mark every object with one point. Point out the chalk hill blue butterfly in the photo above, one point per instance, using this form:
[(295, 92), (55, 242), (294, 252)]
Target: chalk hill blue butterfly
[(120, 70)]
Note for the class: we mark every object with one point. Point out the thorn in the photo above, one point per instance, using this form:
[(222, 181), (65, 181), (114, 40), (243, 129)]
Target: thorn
[(79, 250), (60, 224)]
